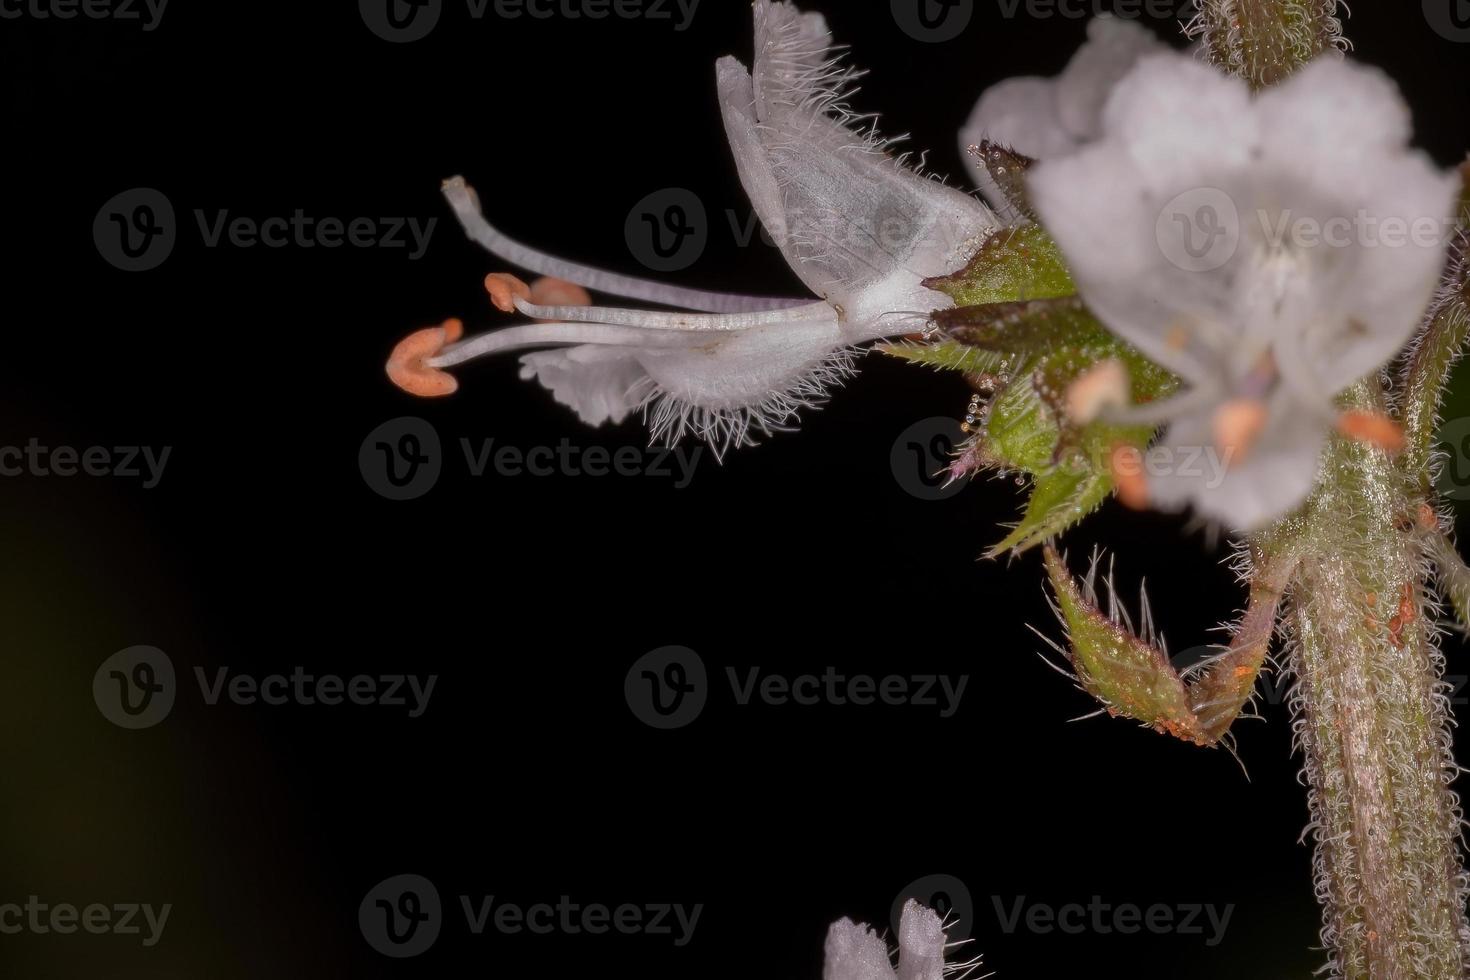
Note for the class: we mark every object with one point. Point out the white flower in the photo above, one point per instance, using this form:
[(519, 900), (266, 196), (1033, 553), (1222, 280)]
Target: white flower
[(1270, 251), (855, 952), (1046, 117), (860, 229)]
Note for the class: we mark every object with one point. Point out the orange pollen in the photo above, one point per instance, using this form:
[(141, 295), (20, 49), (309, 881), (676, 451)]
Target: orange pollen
[(1373, 428), (504, 290), (1238, 423), (1125, 463), (547, 291), (408, 370), (1101, 387)]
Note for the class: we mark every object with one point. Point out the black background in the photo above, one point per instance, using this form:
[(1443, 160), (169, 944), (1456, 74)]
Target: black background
[(528, 777)]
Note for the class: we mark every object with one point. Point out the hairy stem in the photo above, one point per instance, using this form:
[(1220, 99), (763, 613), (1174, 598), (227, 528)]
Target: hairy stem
[(1372, 721), (1263, 41)]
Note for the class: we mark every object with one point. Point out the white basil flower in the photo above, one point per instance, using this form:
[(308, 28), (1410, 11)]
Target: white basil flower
[(859, 228), (855, 952), (1269, 250)]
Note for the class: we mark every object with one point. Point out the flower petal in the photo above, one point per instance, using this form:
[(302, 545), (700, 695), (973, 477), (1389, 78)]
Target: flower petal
[(1243, 493), (855, 952), (599, 383), (920, 943), (1113, 47)]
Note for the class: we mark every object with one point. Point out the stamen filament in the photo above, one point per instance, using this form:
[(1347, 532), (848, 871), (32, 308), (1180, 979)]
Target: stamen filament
[(553, 335), (649, 319), (462, 199)]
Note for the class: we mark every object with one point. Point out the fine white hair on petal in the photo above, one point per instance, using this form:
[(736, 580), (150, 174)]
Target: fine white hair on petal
[(845, 214), (1275, 248)]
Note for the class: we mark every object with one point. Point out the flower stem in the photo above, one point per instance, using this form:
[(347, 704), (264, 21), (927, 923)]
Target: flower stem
[(1263, 41), (1372, 721)]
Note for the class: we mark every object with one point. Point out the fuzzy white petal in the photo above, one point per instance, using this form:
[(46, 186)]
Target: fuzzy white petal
[(846, 215), (855, 952), (1044, 118), (920, 943), (1113, 47), (1237, 236), (1247, 493), (600, 383)]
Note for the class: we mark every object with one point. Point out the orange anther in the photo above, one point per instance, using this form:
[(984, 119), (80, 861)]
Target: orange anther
[(547, 291), (1096, 389), (406, 367), (1373, 428), (1125, 463), (504, 290), (1238, 423)]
